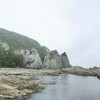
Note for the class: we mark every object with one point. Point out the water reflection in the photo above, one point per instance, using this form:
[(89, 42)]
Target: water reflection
[(69, 87)]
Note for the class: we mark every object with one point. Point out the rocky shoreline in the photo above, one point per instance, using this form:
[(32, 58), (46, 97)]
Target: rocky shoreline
[(17, 84), (76, 71)]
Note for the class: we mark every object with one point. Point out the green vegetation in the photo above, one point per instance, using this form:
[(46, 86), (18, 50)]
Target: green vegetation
[(17, 41), (9, 59)]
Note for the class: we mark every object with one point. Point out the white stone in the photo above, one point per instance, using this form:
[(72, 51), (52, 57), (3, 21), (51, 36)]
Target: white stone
[(31, 58)]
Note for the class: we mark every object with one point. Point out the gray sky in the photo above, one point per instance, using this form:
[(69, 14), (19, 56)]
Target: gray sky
[(72, 26)]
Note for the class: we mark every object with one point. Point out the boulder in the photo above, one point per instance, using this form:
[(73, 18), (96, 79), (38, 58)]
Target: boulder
[(31, 58)]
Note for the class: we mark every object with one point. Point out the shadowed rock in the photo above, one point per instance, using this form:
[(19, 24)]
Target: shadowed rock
[(64, 60)]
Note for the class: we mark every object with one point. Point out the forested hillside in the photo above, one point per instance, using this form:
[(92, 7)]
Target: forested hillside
[(17, 41), (9, 59)]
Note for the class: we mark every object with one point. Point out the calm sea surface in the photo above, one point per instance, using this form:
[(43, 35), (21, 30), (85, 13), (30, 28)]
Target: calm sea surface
[(69, 87)]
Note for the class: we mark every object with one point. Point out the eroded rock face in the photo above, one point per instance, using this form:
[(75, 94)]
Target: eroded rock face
[(54, 60), (64, 60), (31, 58)]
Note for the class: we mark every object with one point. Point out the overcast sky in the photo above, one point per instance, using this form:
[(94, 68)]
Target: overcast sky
[(72, 26)]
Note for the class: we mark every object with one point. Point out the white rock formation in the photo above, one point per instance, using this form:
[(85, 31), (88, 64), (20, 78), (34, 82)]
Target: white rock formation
[(52, 60), (55, 61), (31, 58)]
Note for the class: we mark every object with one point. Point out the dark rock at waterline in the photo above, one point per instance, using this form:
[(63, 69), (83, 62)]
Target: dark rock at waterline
[(98, 76)]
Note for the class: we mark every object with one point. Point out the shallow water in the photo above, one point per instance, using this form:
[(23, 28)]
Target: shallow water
[(69, 87)]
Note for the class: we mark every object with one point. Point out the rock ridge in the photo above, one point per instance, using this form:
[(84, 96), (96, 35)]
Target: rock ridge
[(32, 59), (54, 60)]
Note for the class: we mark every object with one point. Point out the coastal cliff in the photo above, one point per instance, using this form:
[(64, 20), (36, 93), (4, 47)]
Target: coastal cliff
[(29, 52)]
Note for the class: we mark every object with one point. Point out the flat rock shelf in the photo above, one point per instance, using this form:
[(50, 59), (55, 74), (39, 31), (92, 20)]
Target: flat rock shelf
[(19, 83)]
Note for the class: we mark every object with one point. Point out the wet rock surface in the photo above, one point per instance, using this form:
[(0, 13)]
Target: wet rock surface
[(16, 84), (76, 71), (98, 76), (83, 71)]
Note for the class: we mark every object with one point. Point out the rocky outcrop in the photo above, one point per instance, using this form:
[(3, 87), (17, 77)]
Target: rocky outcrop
[(64, 60), (54, 60), (31, 58)]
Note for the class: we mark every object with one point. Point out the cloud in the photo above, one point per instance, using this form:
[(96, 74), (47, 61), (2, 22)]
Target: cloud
[(65, 25)]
